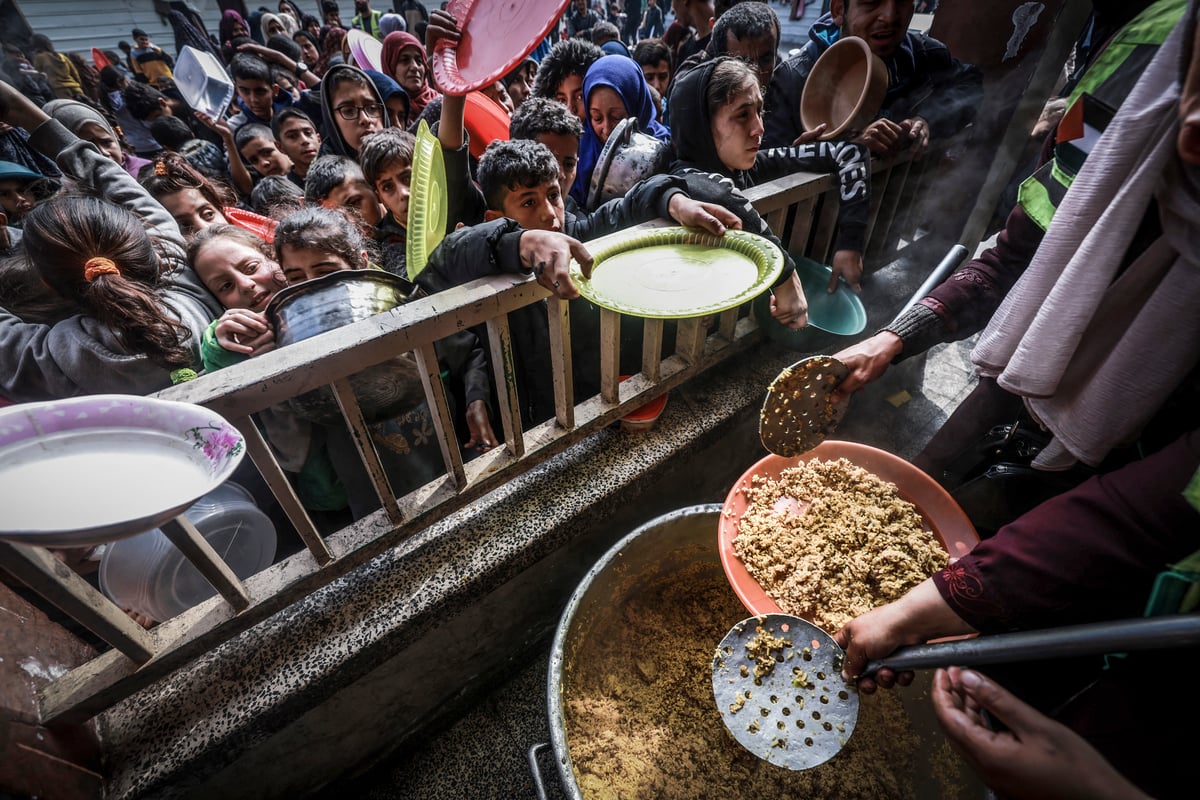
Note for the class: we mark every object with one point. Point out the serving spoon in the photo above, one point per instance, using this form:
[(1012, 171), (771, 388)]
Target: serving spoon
[(777, 678)]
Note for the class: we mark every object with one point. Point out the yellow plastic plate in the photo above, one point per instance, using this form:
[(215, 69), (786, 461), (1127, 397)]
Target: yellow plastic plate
[(675, 273), (427, 210)]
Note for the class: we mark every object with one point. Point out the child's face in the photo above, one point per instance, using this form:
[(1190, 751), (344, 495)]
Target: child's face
[(349, 98), (14, 200), (392, 186), (191, 211), (94, 132), (538, 208), (570, 94), (262, 154), (658, 75), (299, 140), (356, 194), (259, 96), (566, 150), (238, 275), (302, 263)]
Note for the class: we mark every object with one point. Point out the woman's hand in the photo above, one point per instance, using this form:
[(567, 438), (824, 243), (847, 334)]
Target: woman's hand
[(1035, 755), (915, 618), (788, 304), (480, 426), (848, 265), (240, 330), (548, 254), (708, 216), (867, 361)]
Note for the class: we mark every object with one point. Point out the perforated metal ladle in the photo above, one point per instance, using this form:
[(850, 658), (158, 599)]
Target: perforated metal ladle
[(778, 686)]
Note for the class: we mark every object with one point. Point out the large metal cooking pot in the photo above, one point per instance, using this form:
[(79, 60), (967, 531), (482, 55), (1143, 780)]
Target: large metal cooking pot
[(672, 543), (326, 303)]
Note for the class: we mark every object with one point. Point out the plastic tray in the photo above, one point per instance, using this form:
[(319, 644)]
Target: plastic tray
[(203, 82), (496, 35)]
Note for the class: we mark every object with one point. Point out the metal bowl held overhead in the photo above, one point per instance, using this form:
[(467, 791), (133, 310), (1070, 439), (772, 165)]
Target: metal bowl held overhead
[(845, 89), (629, 156), (326, 303)]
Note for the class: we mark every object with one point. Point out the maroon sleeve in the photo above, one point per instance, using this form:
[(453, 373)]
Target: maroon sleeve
[(1087, 555)]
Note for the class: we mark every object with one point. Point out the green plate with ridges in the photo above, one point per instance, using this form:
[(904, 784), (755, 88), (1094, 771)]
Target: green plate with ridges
[(677, 273), (427, 210)]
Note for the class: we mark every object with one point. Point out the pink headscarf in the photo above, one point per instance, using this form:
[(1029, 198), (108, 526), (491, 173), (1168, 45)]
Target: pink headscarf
[(393, 43)]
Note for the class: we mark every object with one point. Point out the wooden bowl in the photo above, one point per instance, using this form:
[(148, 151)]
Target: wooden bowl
[(845, 89)]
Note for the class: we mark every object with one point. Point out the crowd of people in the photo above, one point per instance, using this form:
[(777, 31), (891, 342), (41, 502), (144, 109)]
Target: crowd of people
[(142, 242)]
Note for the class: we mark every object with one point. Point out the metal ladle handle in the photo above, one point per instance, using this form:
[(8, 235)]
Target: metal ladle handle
[(1179, 630), (950, 262)]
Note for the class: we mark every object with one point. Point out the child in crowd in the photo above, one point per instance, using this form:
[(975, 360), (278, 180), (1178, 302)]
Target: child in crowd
[(139, 309), (194, 201), (276, 197), (315, 242), (255, 90), (520, 181), (338, 182), (241, 272), (351, 109), (551, 123), (256, 145), (90, 125), (297, 137), (176, 137), (560, 75)]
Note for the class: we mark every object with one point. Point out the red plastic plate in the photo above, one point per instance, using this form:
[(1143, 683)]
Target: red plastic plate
[(260, 226), (944, 516), (496, 36), (485, 121), (99, 59)]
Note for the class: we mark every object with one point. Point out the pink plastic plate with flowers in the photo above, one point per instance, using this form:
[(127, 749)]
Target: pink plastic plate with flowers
[(94, 469)]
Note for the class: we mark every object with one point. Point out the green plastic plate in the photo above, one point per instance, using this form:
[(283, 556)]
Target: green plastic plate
[(840, 312), (676, 273), (427, 210)]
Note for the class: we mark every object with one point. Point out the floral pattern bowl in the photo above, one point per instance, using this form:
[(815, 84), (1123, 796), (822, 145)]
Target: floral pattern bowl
[(94, 469)]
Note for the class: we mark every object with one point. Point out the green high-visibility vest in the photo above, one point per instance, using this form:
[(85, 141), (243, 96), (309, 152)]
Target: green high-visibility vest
[(1109, 79)]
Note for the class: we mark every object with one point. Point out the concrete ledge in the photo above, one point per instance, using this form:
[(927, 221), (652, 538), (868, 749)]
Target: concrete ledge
[(350, 673)]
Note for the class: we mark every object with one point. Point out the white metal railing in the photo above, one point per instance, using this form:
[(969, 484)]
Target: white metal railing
[(800, 207)]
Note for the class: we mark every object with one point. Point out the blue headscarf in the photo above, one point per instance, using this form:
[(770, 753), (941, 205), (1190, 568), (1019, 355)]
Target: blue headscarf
[(623, 76), (388, 89)]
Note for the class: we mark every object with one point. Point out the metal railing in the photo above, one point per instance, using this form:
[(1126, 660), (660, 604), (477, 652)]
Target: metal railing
[(800, 208)]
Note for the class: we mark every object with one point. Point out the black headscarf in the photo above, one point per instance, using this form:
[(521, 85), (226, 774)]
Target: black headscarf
[(691, 125)]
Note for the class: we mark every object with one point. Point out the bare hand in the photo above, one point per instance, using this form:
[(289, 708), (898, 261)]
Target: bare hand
[(548, 254), (240, 330), (265, 53), (810, 136), (220, 126), (442, 25), (141, 619), (1035, 752), (918, 135), (870, 637), (867, 361), (709, 216), (480, 426), (884, 137), (848, 265), (789, 305)]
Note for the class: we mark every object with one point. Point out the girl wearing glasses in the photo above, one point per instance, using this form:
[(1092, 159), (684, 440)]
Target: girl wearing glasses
[(352, 109)]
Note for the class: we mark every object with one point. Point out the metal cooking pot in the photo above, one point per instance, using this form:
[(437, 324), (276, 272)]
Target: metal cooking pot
[(629, 156), (326, 303), (669, 544)]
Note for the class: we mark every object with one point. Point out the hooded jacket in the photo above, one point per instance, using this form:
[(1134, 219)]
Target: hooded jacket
[(74, 115), (923, 80), (710, 180)]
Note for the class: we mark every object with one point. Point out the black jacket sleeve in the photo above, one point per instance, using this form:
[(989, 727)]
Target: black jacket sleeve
[(490, 248), (646, 200), (852, 163), (713, 188)]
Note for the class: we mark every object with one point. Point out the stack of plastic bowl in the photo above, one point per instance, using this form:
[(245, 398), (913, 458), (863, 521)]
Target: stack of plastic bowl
[(148, 574)]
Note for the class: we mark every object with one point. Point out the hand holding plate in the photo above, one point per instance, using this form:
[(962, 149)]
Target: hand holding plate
[(548, 254), (711, 217)]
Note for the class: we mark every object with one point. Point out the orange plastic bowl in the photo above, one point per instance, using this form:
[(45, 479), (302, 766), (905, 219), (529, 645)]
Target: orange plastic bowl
[(845, 89), (485, 121), (941, 514)]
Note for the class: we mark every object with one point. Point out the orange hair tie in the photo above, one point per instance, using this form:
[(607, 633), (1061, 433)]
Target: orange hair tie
[(160, 169), (99, 266)]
